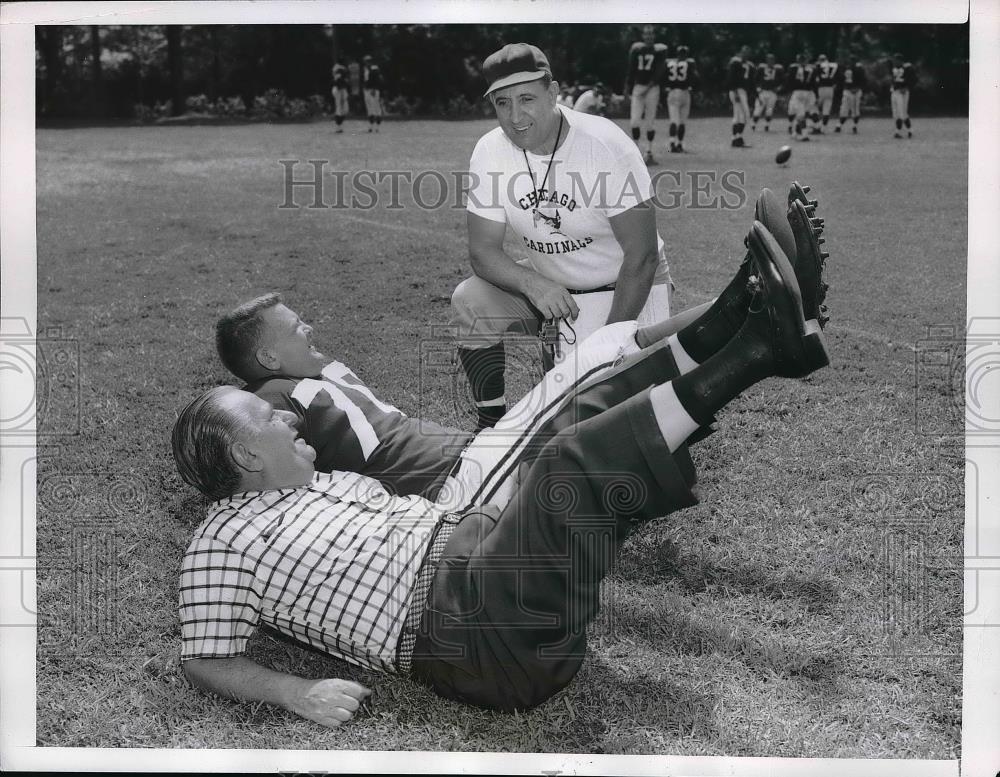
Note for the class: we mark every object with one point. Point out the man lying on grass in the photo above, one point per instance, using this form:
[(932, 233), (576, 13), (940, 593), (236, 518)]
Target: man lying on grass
[(486, 606), (271, 349)]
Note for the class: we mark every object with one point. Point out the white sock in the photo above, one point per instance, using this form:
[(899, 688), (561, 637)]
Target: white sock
[(684, 361), (674, 422)]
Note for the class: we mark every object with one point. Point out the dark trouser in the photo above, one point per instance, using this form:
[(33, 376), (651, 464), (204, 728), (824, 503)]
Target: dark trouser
[(505, 621), (650, 367)]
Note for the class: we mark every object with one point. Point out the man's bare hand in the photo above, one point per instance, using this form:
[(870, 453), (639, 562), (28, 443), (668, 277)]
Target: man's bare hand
[(330, 702), (551, 299)]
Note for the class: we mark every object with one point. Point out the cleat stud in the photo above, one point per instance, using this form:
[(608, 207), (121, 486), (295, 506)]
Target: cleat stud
[(824, 255)]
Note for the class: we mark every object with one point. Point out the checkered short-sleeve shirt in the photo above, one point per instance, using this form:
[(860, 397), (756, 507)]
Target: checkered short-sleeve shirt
[(332, 564)]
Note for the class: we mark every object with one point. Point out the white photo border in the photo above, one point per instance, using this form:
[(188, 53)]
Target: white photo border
[(981, 659)]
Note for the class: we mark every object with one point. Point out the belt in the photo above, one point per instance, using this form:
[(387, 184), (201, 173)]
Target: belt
[(609, 287), (421, 588)]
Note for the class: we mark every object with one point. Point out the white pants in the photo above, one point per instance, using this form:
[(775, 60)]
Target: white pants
[(487, 468), (645, 98), (825, 100), (901, 104), (373, 102), (678, 105), (850, 103), (741, 108), (766, 99), (594, 308), (340, 106), (482, 312), (798, 103)]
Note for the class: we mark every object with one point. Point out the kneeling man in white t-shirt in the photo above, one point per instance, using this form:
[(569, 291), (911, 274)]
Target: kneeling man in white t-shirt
[(575, 192)]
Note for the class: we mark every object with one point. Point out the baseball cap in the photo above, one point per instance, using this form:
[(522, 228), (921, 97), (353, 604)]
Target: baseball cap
[(515, 63)]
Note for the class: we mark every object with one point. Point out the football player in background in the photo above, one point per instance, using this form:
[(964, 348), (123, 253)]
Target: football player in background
[(768, 77), (812, 111), (680, 78), (739, 82), (646, 61), (340, 94), (904, 78), (826, 82), (853, 81), (799, 82), (372, 80)]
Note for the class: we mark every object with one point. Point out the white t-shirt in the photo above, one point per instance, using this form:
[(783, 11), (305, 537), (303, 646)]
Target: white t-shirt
[(597, 173)]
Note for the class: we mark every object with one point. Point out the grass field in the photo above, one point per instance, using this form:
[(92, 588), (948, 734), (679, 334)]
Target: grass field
[(809, 606)]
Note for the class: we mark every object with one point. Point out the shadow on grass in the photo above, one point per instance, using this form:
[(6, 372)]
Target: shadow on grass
[(654, 560), (670, 630), (641, 701)]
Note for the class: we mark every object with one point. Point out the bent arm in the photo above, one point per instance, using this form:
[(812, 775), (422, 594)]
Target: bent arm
[(329, 702), (491, 263), (635, 230)]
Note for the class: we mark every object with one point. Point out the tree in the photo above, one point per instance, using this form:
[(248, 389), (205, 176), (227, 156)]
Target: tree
[(175, 66)]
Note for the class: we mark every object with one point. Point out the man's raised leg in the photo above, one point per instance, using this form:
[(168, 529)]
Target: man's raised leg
[(505, 625)]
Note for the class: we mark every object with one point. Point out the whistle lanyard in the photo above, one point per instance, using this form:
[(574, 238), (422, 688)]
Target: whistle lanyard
[(548, 169)]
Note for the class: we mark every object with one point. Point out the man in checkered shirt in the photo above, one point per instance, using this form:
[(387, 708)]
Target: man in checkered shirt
[(489, 607)]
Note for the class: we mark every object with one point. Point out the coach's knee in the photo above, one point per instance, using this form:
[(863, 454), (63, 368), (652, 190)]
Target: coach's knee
[(475, 313)]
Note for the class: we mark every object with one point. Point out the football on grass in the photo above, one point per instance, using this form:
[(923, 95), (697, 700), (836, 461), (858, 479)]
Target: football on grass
[(783, 155)]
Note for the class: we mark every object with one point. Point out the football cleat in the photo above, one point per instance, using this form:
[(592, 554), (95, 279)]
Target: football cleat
[(798, 192), (796, 341), (772, 213), (810, 261)]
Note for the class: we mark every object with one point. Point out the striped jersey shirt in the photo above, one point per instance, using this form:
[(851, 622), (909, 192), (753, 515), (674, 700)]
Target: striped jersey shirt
[(353, 430), (331, 564)]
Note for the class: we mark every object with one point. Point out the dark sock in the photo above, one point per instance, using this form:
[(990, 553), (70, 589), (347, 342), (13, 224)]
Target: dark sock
[(721, 322), (636, 132), (673, 130), (739, 364), (899, 124), (680, 132), (485, 370), (907, 123), (735, 130), (650, 135)]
